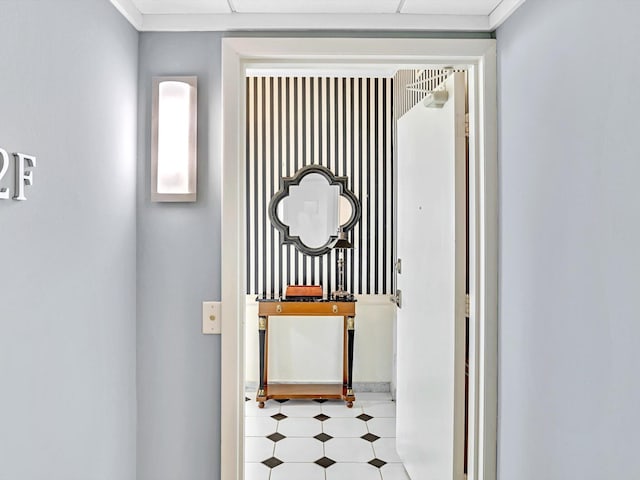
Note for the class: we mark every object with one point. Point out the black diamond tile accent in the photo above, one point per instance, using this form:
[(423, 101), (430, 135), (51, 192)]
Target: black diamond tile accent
[(276, 437), (272, 462), (279, 416), (322, 417), (320, 400), (325, 462), (246, 399), (323, 437), (364, 417), (370, 437), (282, 400), (376, 462)]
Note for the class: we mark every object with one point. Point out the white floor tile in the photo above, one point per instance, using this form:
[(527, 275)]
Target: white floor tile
[(382, 427), (299, 450), (382, 409), (256, 471), (344, 427), (296, 471), (270, 408), (299, 408), (257, 449), (340, 410), (385, 449), (394, 471), (360, 471), (299, 427), (348, 450), (259, 426)]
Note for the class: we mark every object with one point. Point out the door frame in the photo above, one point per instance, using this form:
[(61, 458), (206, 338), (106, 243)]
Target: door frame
[(480, 57)]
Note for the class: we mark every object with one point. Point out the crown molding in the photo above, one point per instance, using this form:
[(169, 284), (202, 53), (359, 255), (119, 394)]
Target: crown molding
[(272, 21), (276, 21), (130, 12), (502, 12)]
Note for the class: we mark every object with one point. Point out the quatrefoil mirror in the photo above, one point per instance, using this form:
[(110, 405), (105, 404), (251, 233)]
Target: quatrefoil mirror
[(311, 207)]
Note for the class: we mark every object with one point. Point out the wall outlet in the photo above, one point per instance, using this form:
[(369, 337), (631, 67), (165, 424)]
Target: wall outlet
[(211, 317)]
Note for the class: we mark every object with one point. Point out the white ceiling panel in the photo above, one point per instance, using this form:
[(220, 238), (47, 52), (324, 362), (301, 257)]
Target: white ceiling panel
[(168, 7), (450, 7), (226, 15), (316, 6)]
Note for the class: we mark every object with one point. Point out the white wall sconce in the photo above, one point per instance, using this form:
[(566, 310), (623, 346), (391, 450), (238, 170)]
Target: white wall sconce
[(174, 139)]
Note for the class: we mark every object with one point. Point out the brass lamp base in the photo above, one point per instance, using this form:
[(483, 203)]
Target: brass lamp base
[(340, 294)]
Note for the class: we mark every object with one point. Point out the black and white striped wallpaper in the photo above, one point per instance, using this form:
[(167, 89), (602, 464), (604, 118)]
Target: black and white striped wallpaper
[(346, 125)]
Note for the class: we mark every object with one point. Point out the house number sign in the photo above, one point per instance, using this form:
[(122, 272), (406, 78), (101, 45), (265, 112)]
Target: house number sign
[(23, 176)]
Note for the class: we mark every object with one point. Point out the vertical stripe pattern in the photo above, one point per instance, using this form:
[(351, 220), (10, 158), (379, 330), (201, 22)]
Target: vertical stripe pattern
[(346, 125)]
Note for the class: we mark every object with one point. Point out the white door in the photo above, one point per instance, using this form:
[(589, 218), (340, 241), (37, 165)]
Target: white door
[(431, 320)]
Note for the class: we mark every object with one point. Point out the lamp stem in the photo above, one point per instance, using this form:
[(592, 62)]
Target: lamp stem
[(341, 271)]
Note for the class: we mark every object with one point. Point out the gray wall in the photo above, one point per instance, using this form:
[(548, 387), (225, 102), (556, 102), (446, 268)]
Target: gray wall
[(178, 268), (68, 74), (569, 233)]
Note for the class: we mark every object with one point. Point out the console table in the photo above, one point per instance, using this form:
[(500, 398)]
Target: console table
[(325, 307)]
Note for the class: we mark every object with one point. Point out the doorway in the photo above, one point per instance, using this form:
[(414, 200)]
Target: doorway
[(340, 120), (238, 53)]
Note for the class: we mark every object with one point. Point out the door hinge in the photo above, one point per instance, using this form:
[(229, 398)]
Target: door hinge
[(467, 306), (399, 266), (466, 124), (397, 298)]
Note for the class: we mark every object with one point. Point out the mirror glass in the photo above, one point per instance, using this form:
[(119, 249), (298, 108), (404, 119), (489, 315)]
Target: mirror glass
[(311, 207), (311, 211), (345, 210)]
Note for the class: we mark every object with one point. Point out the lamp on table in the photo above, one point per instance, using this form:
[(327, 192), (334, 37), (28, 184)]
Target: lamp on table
[(340, 244)]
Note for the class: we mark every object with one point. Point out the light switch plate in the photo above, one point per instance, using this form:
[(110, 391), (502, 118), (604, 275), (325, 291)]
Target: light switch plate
[(211, 317)]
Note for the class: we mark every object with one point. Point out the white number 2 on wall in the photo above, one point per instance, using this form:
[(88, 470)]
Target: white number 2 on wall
[(4, 166), (23, 176)]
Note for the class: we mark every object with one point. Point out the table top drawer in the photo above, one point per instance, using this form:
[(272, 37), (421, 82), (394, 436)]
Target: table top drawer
[(307, 308)]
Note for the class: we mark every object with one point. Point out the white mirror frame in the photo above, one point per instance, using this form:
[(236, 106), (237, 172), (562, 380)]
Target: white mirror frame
[(479, 55)]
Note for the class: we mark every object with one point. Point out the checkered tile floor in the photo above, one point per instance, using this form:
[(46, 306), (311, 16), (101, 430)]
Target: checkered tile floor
[(322, 440)]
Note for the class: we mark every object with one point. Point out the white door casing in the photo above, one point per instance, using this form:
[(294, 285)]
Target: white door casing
[(431, 320), (480, 57)]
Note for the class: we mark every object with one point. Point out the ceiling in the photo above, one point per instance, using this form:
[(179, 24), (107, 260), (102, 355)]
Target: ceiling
[(226, 15)]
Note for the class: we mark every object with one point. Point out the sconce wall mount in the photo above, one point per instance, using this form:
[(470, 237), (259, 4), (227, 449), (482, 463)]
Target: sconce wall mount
[(174, 139)]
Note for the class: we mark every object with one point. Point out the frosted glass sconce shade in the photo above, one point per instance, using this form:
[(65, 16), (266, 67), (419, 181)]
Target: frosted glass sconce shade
[(174, 139)]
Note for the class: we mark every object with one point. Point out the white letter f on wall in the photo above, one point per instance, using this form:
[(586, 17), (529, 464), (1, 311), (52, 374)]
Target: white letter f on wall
[(22, 177)]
